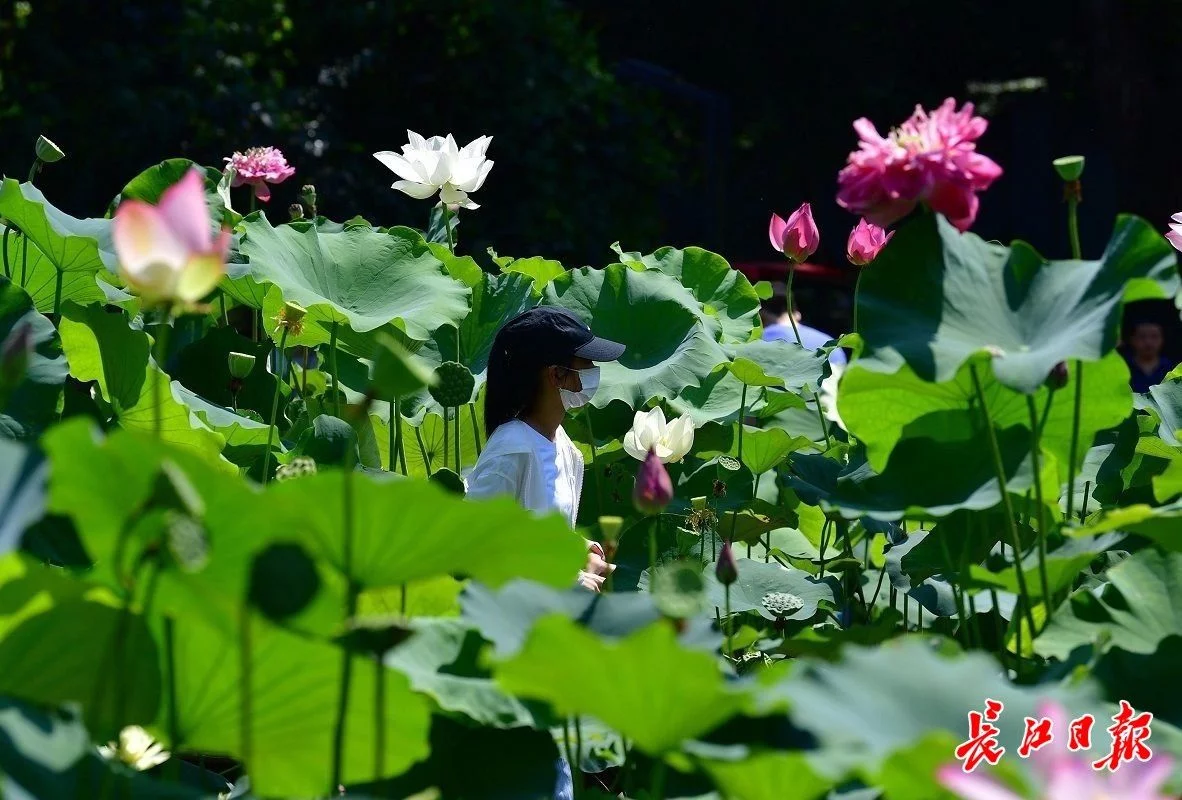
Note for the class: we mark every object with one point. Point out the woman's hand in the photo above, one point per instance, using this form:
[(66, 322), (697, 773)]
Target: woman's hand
[(592, 576)]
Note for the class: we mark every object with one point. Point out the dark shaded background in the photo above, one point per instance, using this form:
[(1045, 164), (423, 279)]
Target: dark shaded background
[(651, 123)]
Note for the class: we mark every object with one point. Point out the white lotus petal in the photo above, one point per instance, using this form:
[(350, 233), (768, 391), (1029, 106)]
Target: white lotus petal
[(633, 447), (453, 196), (399, 165), (419, 191)]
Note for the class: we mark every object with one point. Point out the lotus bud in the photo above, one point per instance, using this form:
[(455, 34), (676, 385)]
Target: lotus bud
[(240, 364), (47, 151), (726, 569), (1070, 168), (14, 355), (797, 237), (1057, 377), (308, 198), (296, 210), (654, 489)]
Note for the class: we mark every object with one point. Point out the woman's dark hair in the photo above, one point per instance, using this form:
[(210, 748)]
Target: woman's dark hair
[(511, 384)]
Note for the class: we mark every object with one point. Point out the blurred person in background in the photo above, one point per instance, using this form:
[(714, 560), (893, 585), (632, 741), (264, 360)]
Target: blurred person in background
[(1147, 365), (778, 327)]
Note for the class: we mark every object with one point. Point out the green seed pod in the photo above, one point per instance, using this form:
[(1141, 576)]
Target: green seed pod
[(454, 384), (1070, 168), (240, 364), (47, 151)]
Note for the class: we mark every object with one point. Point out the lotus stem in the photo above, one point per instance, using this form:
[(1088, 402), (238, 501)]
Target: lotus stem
[(729, 623), (821, 418), (451, 245), (857, 291), (379, 721), (1074, 449), (158, 379), (566, 753), (57, 294), (245, 693), (594, 461), (274, 414), (1083, 508), (576, 766), (459, 461), (423, 451), (791, 305), (225, 315), (34, 170), (336, 375), (1035, 448), (957, 596), (999, 468), (174, 724), (7, 266), (24, 258), (446, 436), (658, 776), (742, 416), (1073, 225), (338, 737), (476, 434), (395, 439)]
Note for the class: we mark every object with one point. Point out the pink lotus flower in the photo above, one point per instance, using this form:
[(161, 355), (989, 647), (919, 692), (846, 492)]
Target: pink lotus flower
[(1175, 233), (797, 237), (931, 158), (167, 252), (866, 239), (654, 488), (258, 167), (1064, 775)]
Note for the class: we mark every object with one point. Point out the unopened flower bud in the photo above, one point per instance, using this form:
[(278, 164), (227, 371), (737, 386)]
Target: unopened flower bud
[(726, 569), (1070, 168), (1057, 377), (47, 151), (296, 210), (654, 489), (240, 364), (308, 198)]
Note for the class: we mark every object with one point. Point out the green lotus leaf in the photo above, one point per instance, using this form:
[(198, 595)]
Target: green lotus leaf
[(883, 408), (294, 687), (34, 401), (1063, 565), (937, 297), (38, 275), (150, 184), (757, 579), (1162, 524), (751, 374), (240, 432), (356, 279), (506, 616), (406, 530), (23, 474), (627, 684), (763, 449), (1164, 401), (1145, 609), (439, 660), (787, 364), (728, 304), (539, 270), (423, 443), (50, 754), (69, 245), (668, 349), (878, 701), (769, 775), (102, 347)]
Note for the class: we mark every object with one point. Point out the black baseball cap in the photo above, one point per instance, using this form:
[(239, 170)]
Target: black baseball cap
[(552, 335)]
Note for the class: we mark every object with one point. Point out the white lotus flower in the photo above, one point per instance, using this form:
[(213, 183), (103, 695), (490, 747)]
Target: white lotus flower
[(427, 166), (828, 396), (649, 431), (136, 749)]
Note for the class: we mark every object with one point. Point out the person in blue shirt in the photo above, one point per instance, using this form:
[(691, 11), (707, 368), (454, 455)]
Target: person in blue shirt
[(1147, 366), (778, 327)]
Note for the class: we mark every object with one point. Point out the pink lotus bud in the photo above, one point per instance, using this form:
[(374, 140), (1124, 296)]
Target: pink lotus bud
[(866, 240), (798, 237), (726, 569), (654, 489)]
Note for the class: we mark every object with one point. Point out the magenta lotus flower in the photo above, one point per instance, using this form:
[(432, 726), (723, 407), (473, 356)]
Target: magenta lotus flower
[(930, 158), (1175, 233), (866, 240), (259, 167), (1065, 775), (654, 488), (726, 569), (797, 237), (167, 252)]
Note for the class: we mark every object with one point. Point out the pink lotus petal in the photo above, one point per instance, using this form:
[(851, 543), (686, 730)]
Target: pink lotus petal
[(775, 232), (182, 207), (143, 238), (972, 786), (1175, 238)]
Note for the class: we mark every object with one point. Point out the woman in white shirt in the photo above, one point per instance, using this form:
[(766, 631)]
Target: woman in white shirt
[(541, 365)]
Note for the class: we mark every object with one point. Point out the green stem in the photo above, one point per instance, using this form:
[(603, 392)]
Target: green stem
[(999, 468), (957, 596), (1074, 449), (245, 693), (476, 432), (24, 258), (594, 462), (652, 550), (174, 725), (459, 461), (791, 305), (451, 245), (566, 753), (395, 438), (824, 542), (576, 766), (742, 416), (336, 384), (274, 414), (34, 170), (446, 436), (338, 737), (729, 625), (423, 451), (1083, 508), (844, 528), (1035, 448), (379, 721), (658, 792), (7, 266), (857, 290), (225, 314), (160, 376), (1073, 227), (821, 418)]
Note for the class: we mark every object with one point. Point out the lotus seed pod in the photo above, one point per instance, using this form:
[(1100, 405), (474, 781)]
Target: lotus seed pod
[(610, 528), (454, 384), (297, 467), (781, 604), (293, 312), (1070, 168), (240, 364), (47, 151)]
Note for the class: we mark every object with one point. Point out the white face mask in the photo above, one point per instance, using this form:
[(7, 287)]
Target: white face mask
[(589, 379)]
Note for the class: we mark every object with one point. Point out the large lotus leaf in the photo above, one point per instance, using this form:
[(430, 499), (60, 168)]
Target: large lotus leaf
[(110, 667), (240, 432), (506, 616), (879, 700), (423, 444), (405, 530), (882, 408), (439, 660), (729, 305), (763, 449), (657, 320), (924, 478), (38, 275), (23, 475), (356, 278), (1145, 609), (1162, 524), (769, 775), (757, 579), (34, 402), (937, 297), (539, 270), (150, 184), (1165, 402), (1063, 565), (50, 754), (202, 366), (294, 694), (102, 347), (70, 245), (628, 684)]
